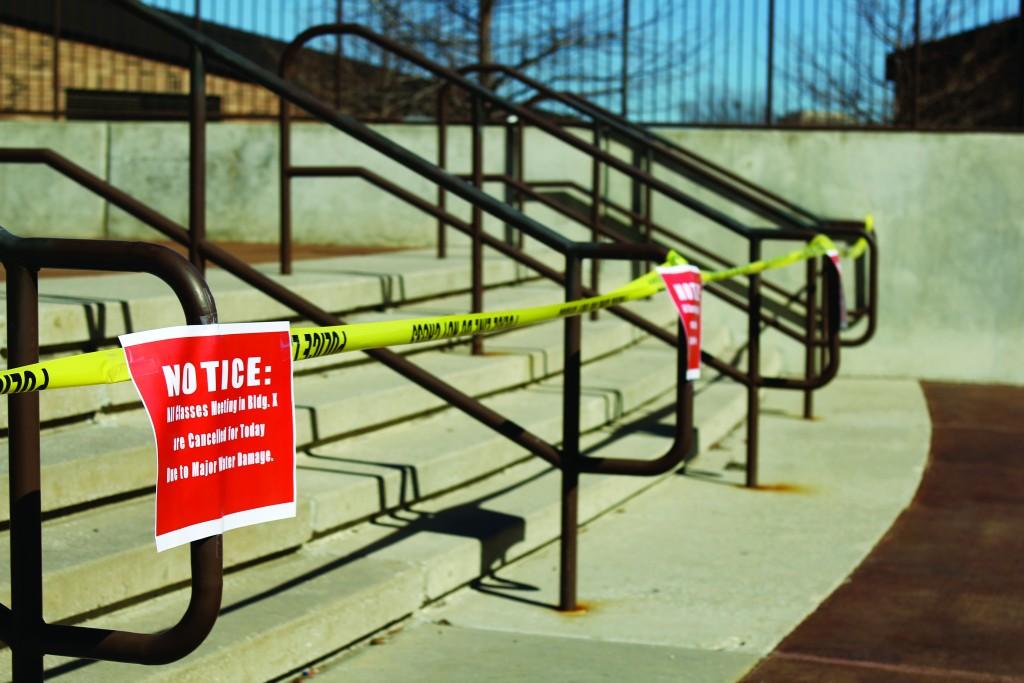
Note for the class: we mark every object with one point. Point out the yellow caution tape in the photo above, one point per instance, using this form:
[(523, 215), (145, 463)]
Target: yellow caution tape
[(818, 246), (861, 245), (109, 366), (98, 367), (313, 342)]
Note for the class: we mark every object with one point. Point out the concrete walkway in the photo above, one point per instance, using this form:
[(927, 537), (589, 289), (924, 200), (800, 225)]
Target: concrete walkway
[(695, 580)]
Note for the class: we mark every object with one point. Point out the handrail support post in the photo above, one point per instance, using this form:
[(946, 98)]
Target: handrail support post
[(595, 215), (25, 504), (442, 163), (753, 365), (513, 169), (197, 159), (567, 600), (285, 186), (810, 329), (477, 255)]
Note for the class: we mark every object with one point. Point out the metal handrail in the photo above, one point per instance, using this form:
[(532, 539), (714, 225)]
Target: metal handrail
[(697, 168), (534, 264), (22, 626), (567, 457), (358, 130), (751, 379), (692, 157), (529, 190), (745, 195), (835, 229), (289, 170), (598, 110), (279, 292), (648, 147), (452, 77)]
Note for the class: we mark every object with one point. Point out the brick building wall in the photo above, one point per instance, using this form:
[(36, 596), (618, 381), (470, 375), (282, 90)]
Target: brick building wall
[(26, 76)]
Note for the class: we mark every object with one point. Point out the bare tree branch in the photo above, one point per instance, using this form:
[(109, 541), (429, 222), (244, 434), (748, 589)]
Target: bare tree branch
[(527, 35), (847, 83)]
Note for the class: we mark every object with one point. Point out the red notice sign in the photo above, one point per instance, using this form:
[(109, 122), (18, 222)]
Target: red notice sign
[(220, 400), (685, 286)]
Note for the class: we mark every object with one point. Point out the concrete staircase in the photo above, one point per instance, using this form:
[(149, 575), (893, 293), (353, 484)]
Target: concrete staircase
[(401, 499)]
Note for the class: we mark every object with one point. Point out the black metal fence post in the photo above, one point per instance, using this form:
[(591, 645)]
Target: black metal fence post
[(915, 92), (56, 59), (624, 103), (338, 52), (771, 64), (1020, 65)]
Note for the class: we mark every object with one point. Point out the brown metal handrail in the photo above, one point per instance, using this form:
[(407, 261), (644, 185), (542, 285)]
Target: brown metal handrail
[(829, 345), (648, 147), (733, 187), (567, 457), (481, 94), (507, 249), (866, 270), (279, 292), (790, 298), (529, 190), (22, 626), (751, 378), (288, 170)]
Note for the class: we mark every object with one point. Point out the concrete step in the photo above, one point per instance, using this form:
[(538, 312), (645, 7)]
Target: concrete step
[(80, 310), (338, 485), (112, 453), (284, 613)]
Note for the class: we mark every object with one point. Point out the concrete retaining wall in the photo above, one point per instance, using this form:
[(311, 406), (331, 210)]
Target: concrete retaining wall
[(950, 217), (948, 209)]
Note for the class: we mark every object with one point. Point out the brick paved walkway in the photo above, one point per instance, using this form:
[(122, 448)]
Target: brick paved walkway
[(941, 598)]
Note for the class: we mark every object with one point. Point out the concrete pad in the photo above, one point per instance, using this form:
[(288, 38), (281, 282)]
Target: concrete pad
[(95, 309), (432, 653)]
